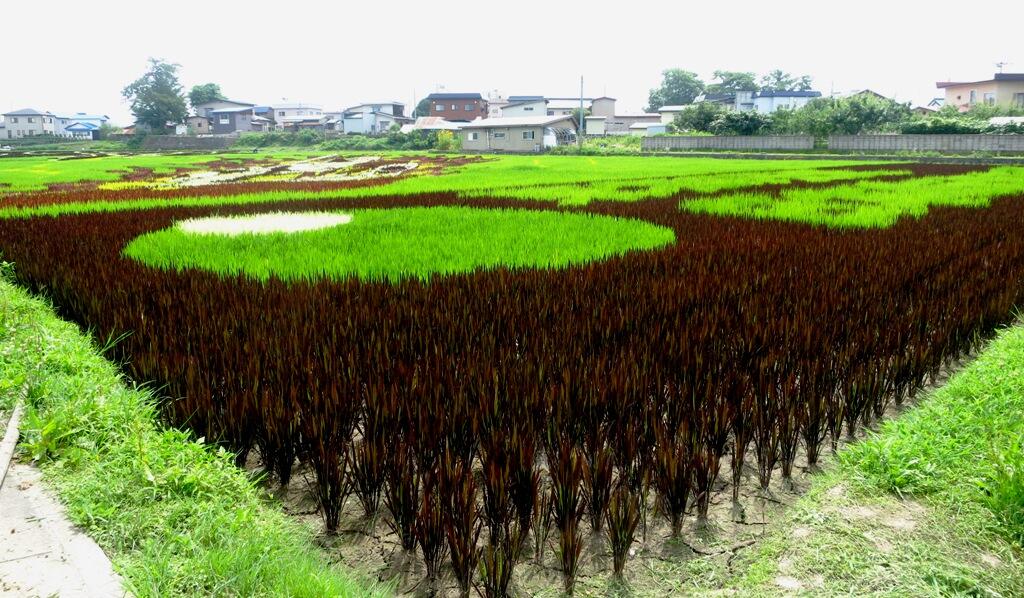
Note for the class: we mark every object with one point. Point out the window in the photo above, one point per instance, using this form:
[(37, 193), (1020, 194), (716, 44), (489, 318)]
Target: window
[(473, 136), (225, 119), (528, 109), (14, 119), (469, 107), (1018, 100), (990, 99), (31, 120), (528, 135), (498, 135), (551, 112), (454, 107), (974, 96), (280, 112), (439, 107)]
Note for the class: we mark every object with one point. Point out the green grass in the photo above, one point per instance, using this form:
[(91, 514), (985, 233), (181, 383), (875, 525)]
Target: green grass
[(930, 505), (868, 203), (36, 173), (406, 243), (568, 180), (176, 516)]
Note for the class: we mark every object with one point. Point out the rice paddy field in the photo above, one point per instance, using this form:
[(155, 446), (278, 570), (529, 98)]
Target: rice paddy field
[(522, 373)]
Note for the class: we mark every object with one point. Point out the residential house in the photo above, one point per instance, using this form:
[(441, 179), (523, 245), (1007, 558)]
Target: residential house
[(923, 111), (518, 134), (238, 119), (206, 108), (603, 106), (458, 107), (375, 118), (1003, 89), (770, 101), (620, 124), (28, 122), (293, 116), (80, 125), (528, 107), (668, 113)]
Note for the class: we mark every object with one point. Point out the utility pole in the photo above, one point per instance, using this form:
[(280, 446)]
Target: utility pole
[(579, 125)]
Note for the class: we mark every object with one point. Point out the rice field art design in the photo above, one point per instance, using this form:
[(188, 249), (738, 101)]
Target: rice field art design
[(513, 373)]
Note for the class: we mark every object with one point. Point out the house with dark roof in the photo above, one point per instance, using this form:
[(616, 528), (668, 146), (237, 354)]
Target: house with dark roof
[(458, 107), (1003, 89), (206, 108), (238, 119)]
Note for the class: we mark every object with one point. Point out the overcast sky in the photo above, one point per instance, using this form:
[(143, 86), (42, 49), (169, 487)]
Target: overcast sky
[(77, 56)]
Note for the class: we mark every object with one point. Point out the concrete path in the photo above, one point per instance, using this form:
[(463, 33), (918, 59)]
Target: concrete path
[(41, 553)]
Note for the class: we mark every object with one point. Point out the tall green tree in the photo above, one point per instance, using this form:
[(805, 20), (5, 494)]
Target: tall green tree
[(156, 97), (698, 117), (678, 87), (779, 80), (207, 92), (422, 108), (728, 81)]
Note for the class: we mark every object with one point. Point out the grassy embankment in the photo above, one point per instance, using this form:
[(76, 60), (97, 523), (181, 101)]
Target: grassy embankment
[(930, 505), (175, 515)]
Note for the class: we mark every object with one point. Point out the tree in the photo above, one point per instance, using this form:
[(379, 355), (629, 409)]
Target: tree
[(156, 97), (779, 80), (698, 117), (422, 108), (729, 81), (734, 122), (678, 87), (207, 92), (843, 116)]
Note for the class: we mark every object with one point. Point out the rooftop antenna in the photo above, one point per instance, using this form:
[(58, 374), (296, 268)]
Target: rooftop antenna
[(1000, 65)]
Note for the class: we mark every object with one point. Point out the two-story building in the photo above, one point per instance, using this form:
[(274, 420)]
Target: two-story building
[(297, 115), (28, 122), (239, 119), (458, 107), (1003, 89), (372, 118), (206, 108)]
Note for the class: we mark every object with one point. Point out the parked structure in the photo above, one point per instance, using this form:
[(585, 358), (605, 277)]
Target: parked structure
[(1003, 89), (373, 118), (518, 134), (458, 107)]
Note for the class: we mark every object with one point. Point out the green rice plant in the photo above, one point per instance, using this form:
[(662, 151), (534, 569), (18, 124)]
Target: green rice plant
[(402, 243)]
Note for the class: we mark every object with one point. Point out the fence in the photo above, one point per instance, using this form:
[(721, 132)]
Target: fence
[(178, 142), (748, 142), (928, 143)]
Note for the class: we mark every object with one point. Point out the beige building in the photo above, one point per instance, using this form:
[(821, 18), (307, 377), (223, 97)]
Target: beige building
[(518, 134), (1003, 89)]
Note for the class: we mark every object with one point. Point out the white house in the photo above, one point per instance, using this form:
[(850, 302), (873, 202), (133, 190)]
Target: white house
[(668, 113), (374, 118), (531, 107), (296, 114), (770, 101), (28, 122)]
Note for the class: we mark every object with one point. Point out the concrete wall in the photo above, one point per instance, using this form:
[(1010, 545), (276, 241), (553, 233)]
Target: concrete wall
[(933, 143), (173, 142), (760, 142)]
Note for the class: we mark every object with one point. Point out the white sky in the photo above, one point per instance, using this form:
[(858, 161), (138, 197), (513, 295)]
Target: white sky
[(338, 54)]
